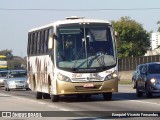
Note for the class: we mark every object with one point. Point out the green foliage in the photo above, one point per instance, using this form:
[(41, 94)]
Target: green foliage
[(14, 62), (134, 40), (7, 53), (17, 63)]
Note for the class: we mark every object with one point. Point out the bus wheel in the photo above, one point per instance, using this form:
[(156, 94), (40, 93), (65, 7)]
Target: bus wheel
[(7, 89), (38, 95), (46, 96), (107, 96), (54, 98)]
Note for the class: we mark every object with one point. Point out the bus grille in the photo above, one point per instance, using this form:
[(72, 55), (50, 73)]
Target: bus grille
[(96, 87), (87, 80)]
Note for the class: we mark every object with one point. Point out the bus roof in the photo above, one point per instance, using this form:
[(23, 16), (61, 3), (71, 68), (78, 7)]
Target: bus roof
[(71, 20)]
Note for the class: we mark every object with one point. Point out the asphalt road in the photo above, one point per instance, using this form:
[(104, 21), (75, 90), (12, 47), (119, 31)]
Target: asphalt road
[(125, 101)]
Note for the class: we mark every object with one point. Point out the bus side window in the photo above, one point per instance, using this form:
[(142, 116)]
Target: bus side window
[(32, 44), (38, 42), (46, 41), (42, 42), (29, 43), (35, 44)]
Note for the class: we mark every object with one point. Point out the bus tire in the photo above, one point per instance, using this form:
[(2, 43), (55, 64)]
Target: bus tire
[(38, 95), (46, 96), (54, 98), (7, 89), (107, 96)]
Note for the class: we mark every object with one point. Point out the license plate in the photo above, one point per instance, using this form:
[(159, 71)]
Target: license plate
[(89, 85)]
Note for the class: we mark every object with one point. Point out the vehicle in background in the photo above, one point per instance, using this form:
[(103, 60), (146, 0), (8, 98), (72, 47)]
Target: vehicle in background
[(3, 63), (76, 56), (3, 76), (149, 81), (16, 79), (136, 75)]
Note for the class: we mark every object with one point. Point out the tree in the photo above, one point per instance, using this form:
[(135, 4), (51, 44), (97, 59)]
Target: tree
[(14, 62), (17, 63), (134, 40), (7, 53), (159, 26)]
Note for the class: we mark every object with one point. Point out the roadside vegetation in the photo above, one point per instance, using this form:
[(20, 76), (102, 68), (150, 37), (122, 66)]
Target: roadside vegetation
[(14, 62), (134, 39)]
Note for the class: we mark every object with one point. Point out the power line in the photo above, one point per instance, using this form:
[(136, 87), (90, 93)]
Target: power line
[(109, 9)]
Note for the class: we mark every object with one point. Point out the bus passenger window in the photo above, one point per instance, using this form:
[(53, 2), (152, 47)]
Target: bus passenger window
[(46, 42)]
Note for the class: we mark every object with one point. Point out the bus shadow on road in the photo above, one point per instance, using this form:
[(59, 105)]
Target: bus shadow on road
[(116, 97)]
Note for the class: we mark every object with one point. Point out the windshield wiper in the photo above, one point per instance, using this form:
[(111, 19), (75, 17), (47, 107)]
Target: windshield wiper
[(99, 58), (77, 57)]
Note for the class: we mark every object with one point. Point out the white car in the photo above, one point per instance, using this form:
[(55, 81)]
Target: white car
[(17, 79)]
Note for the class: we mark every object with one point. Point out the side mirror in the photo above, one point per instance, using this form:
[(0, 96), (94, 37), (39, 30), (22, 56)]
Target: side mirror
[(51, 41), (117, 39)]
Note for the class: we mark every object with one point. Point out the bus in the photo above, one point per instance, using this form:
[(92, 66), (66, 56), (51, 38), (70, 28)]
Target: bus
[(3, 63), (74, 56)]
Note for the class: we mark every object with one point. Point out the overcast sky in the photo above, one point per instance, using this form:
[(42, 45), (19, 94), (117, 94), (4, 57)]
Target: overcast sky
[(15, 21)]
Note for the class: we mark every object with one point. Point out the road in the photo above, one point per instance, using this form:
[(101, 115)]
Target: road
[(124, 100)]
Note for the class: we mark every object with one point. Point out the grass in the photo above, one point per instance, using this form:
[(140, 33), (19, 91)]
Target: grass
[(125, 82)]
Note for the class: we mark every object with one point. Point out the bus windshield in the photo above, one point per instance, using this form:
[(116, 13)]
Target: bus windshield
[(85, 47)]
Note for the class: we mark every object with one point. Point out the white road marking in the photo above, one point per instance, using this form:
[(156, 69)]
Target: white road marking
[(36, 101), (64, 109)]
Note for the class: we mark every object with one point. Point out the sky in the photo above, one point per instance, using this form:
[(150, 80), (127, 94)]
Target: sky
[(15, 22)]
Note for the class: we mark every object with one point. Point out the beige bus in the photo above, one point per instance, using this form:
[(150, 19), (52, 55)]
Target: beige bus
[(75, 56)]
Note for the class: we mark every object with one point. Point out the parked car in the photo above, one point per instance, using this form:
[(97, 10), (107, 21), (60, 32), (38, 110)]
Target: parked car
[(136, 75), (17, 79), (3, 75), (149, 81)]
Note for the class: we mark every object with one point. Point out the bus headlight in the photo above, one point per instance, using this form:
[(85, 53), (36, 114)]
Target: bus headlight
[(112, 76), (63, 78)]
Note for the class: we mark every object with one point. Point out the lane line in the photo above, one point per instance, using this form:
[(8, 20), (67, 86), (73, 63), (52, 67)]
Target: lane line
[(35, 101)]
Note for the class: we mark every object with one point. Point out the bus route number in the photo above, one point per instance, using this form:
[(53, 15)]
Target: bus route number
[(76, 75)]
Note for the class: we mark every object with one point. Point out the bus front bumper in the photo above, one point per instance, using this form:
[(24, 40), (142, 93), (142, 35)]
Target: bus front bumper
[(64, 88)]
